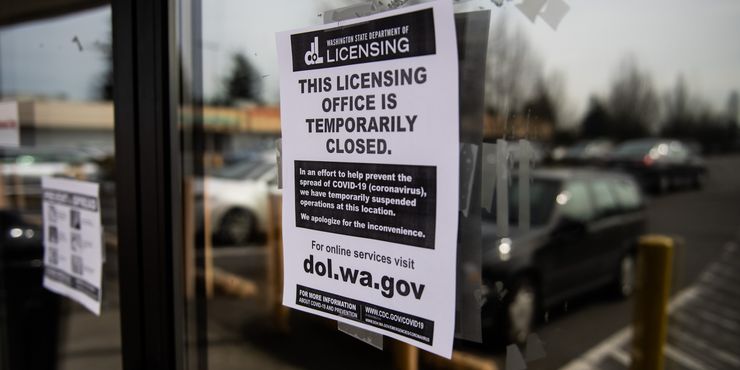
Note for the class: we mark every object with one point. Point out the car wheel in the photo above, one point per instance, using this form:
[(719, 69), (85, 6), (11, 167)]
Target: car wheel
[(521, 311), (625, 284), (237, 226)]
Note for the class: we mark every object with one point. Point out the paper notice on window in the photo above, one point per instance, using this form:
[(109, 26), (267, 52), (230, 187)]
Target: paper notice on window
[(73, 254), (9, 125), (369, 114)]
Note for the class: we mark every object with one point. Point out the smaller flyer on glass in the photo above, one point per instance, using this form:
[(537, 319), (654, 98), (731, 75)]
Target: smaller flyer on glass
[(9, 125), (370, 165), (73, 253)]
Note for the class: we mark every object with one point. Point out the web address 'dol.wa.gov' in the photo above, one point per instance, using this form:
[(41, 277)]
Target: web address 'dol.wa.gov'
[(388, 286)]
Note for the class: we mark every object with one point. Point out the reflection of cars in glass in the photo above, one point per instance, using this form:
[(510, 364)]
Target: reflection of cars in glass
[(243, 155), (17, 235), (27, 166), (589, 152), (23, 168), (39, 162), (659, 164), (584, 228), (238, 200), (33, 317)]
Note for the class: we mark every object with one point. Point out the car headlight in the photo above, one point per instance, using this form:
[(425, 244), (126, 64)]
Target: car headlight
[(16, 233), (504, 249)]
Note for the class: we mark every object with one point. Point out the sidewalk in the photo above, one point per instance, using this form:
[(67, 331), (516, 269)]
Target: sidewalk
[(703, 326)]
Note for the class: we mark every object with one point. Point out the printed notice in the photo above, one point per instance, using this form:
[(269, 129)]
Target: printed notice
[(9, 125), (369, 114), (72, 240)]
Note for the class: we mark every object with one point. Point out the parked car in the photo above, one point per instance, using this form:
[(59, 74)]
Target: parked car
[(659, 164), (583, 234), (243, 155), (21, 170), (590, 152), (45, 161), (238, 199), (31, 313)]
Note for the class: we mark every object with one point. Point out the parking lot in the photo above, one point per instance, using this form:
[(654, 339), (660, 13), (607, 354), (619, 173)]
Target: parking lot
[(704, 221)]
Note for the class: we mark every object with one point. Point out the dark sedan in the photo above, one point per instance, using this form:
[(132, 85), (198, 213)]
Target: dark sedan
[(583, 233), (659, 164)]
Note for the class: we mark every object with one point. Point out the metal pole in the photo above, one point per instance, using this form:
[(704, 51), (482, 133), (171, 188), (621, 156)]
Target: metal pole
[(651, 303)]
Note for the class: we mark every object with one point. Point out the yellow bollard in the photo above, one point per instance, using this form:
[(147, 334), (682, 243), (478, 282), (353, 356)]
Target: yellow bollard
[(650, 324), (405, 356)]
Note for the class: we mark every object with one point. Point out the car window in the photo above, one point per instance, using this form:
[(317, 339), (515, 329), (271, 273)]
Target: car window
[(575, 202), (633, 149), (604, 199), (542, 199), (678, 151), (627, 194)]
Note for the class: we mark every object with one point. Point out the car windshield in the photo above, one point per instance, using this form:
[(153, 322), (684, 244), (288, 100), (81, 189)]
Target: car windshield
[(633, 149), (542, 200), (576, 150), (246, 170)]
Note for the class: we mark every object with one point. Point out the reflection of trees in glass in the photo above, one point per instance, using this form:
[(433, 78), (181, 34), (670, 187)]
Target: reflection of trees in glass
[(547, 100), (596, 122), (513, 69), (103, 88), (733, 107), (243, 84), (678, 105), (688, 117), (632, 102), (521, 99)]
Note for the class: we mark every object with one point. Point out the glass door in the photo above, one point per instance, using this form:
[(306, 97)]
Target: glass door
[(59, 262)]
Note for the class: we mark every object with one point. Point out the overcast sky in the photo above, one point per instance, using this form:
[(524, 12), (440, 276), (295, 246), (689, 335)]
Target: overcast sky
[(667, 37)]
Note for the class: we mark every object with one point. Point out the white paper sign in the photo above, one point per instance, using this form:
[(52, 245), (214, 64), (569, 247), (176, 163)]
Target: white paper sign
[(369, 113), (9, 125), (73, 254)]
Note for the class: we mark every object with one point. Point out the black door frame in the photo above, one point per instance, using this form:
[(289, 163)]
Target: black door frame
[(151, 140)]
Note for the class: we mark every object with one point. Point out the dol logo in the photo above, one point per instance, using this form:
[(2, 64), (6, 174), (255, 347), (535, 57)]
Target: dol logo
[(312, 55)]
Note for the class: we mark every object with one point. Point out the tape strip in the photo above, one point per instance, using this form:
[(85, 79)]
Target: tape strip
[(279, 160), (472, 30), (502, 188), (367, 336)]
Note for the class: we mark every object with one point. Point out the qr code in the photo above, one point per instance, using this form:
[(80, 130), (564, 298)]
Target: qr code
[(77, 265), (53, 256)]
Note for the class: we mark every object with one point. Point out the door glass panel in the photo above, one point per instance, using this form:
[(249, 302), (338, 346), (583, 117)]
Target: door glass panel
[(58, 69), (600, 96)]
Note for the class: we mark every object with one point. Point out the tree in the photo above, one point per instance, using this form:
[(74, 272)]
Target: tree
[(242, 84), (632, 102), (541, 105), (733, 107), (513, 69), (547, 100), (681, 110), (597, 122), (104, 85)]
